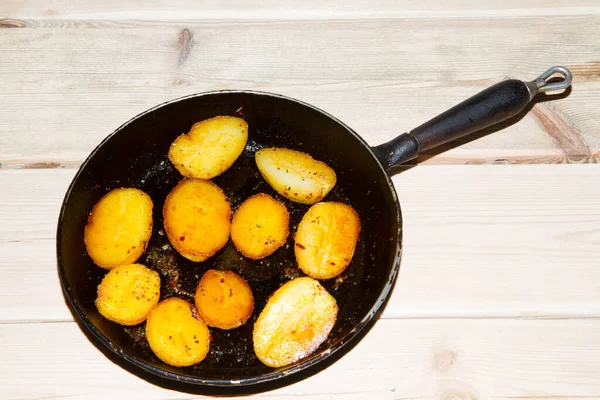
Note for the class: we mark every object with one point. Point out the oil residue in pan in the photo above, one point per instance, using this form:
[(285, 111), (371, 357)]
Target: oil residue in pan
[(179, 276)]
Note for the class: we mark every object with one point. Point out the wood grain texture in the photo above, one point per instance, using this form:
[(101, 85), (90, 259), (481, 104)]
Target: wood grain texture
[(294, 9), (71, 82), (497, 296), (398, 359), (479, 242)]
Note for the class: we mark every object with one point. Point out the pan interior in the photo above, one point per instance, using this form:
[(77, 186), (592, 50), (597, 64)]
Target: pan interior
[(136, 156)]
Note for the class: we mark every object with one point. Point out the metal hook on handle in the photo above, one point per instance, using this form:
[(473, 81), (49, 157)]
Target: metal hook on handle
[(541, 84)]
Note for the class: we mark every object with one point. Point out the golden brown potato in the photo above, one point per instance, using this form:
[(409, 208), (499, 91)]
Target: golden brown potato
[(197, 218), (260, 226), (127, 294), (326, 239), (296, 320), (224, 299), (295, 175), (210, 147), (175, 335), (119, 227)]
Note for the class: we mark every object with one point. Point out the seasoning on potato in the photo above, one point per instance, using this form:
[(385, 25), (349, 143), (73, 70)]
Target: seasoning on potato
[(127, 294), (197, 219), (298, 317), (224, 299), (260, 226), (210, 147), (175, 335), (119, 227), (295, 175), (326, 239)]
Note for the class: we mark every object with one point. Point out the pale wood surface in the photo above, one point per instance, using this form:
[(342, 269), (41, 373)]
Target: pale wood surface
[(398, 359), (510, 292), (480, 241), (292, 9), (498, 291), (84, 78)]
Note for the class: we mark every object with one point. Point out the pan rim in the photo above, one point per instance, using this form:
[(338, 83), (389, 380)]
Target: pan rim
[(309, 362)]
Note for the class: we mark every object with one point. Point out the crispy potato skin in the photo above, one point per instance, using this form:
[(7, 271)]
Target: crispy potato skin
[(197, 219), (175, 335), (295, 175), (224, 299), (119, 227), (260, 226), (210, 147), (326, 239), (127, 294), (298, 317)]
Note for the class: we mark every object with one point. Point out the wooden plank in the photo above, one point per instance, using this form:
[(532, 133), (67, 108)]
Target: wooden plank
[(29, 204), (398, 359), (65, 87), (186, 9), (479, 241)]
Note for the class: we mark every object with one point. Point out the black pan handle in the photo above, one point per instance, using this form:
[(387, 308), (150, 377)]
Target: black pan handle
[(494, 104)]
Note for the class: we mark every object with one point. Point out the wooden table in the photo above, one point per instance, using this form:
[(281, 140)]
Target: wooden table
[(499, 291)]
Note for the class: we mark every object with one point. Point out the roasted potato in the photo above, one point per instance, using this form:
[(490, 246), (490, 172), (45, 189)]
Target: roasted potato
[(175, 335), (296, 320), (210, 147), (295, 175), (119, 227), (224, 299), (326, 239), (197, 219), (260, 226), (127, 294)]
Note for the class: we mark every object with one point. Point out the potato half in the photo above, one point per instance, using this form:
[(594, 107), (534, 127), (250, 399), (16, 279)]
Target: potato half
[(326, 239), (295, 175), (224, 299), (127, 294), (210, 147), (197, 219), (296, 320), (119, 227), (260, 226), (175, 335)]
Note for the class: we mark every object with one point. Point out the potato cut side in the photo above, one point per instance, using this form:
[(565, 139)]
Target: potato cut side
[(326, 239), (295, 175), (175, 335), (224, 299), (127, 294), (296, 320), (119, 227), (210, 147), (197, 218), (260, 226)]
